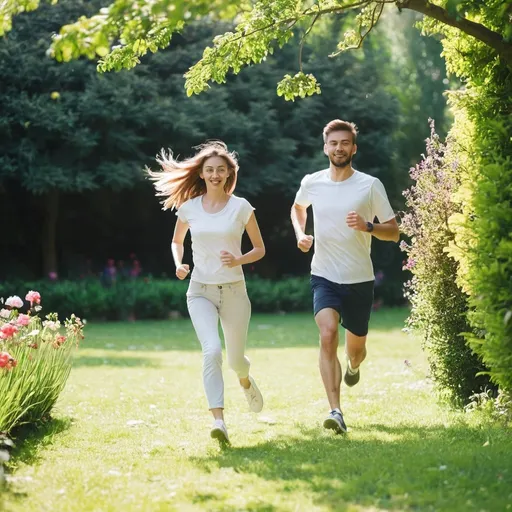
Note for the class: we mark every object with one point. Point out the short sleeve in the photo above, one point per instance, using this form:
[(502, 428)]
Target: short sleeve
[(302, 196), (181, 213), (380, 202), (245, 212)]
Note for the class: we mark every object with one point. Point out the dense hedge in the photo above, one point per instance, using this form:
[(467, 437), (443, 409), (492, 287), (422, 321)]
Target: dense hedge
[(153, 298), (483, 244), (148, 298)]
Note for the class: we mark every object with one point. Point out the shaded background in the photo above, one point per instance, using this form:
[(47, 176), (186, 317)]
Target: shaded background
[(73, 143)]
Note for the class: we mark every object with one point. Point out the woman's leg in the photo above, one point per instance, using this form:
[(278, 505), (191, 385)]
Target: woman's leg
[(235, 314), (205, 319)]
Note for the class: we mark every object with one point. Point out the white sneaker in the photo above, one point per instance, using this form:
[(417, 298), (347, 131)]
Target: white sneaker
[(219, 431), (253, 396)]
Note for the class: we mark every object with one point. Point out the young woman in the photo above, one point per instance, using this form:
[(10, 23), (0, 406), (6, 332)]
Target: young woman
[(201, 189)]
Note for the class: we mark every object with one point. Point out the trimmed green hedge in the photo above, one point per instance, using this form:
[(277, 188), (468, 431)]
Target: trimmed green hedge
[(153, 298)]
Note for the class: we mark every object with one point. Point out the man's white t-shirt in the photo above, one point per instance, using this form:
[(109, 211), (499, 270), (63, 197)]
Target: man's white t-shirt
[(215, 232), (342, 254)]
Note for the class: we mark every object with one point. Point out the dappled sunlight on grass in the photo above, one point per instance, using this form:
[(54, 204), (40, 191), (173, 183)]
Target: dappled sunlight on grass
[(136, 434)]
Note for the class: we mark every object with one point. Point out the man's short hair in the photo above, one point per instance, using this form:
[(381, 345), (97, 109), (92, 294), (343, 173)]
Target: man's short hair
[(337, 125)]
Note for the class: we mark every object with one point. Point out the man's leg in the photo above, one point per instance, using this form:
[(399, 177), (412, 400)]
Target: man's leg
[(355, 349), (356, 309), (327, 320)]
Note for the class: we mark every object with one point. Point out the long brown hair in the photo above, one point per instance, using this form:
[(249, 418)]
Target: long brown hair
[(180, 181)]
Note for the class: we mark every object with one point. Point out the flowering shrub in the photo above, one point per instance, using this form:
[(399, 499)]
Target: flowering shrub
[(35, 359), (439, 305)]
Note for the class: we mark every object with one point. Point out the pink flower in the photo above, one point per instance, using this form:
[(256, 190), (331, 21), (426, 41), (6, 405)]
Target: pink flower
[(59, 340), (8, 330), (411, 263), (5, 313), (14, 302), (23, 320), (32, 297), (7, 361)]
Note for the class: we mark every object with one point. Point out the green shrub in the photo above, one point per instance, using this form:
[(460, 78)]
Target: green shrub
[(439, 305), (483, 243), (156, 298)]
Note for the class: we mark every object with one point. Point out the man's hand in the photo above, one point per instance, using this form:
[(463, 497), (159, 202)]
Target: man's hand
[(228, 260), (182, 271), (305, 242), (355, 221)]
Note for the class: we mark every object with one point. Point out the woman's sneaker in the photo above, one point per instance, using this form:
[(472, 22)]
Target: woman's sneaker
[(219, 431), (253, 396), (335, 422)]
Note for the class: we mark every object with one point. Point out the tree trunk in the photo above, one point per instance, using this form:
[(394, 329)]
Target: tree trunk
[(49, 242)]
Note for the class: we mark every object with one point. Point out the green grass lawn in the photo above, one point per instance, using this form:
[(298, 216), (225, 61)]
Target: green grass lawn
[(131, 431)]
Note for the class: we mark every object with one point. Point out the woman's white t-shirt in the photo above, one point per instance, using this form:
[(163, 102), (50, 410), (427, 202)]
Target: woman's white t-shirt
[(215, 232), (342, 254)]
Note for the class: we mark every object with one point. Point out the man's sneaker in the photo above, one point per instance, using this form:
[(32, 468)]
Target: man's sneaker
[(219, 431), (351, 377), (335, 422), (253, 396)]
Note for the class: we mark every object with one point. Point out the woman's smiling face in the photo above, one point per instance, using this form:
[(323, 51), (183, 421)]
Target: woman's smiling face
[(215, 173)]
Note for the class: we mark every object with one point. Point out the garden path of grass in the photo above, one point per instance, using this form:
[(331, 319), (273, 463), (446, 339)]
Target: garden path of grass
[(131, 431)]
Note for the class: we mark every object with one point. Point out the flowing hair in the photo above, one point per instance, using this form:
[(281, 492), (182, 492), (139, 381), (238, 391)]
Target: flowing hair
[(180, 181)]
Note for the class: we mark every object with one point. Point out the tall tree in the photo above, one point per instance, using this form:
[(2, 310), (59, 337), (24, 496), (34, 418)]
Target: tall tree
[(63, 127)]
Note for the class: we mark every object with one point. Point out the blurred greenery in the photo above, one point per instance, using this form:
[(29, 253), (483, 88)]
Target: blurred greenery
[(73, 143)]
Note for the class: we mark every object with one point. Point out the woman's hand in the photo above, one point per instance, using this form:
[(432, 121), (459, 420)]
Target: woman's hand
[(182, 271), (228, 260)]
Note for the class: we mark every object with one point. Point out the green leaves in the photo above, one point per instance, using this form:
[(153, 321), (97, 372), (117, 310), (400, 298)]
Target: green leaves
[(9, 8), (266, 26), (300, 85), (123, 32)]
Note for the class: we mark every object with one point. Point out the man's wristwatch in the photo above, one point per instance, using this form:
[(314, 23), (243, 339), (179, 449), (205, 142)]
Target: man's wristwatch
[(369, 227)]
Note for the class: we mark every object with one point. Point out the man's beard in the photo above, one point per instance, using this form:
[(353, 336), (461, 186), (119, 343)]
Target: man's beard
[(341, 162)]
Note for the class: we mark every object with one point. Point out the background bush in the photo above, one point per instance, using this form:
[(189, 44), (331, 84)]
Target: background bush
[(439, 305), (154, 298), (148, 298)]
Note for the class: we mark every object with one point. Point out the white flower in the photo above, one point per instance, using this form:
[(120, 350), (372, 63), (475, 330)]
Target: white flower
[(14, 302), (54, 326), (5, 313), (38, 308), (35, 332)]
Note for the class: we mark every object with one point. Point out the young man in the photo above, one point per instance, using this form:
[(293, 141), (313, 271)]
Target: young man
[(345, 203)]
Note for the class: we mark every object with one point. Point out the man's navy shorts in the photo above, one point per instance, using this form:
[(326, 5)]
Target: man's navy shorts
[(353, 302)]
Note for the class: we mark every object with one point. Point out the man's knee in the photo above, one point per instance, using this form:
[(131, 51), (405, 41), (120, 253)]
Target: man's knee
[(329, 337)]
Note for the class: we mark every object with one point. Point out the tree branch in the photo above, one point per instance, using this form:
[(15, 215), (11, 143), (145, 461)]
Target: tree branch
[(478, 31), (362, 36), (303, 40)]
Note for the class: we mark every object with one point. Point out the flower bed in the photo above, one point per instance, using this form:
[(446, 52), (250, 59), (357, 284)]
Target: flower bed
[(35, 359)]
